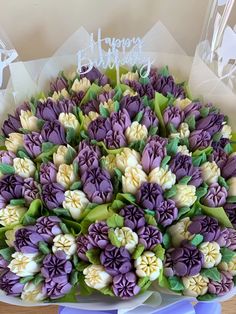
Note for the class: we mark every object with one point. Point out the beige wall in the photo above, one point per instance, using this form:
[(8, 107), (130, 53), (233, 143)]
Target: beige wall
[(37, 27)]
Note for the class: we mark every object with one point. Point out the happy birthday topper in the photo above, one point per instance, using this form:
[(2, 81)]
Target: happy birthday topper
[(119, 52), (7, 56)]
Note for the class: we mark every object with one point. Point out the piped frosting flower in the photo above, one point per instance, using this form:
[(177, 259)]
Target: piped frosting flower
[(132, 179), (195, 285), (148, 265), (96, 277), (211, 252), (164, 177)]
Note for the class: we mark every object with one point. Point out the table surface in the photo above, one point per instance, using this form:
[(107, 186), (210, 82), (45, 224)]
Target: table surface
[(229, 307)]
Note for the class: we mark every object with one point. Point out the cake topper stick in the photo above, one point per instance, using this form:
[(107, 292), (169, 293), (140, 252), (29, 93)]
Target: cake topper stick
[(6, 57)]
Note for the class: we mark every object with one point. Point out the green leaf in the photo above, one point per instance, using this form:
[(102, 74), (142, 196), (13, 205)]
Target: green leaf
[(228, 148), (7, 253), (22, 154), (160, 104), (218, 213), (207, 297), (190, 120), (116, 106), (108, 151), (84, 134), (222, 182), (185, 180), (115, 221), (171, 192), (75, 168), (150, 220), (24, 280), (70, 297), (150, 212), (71, 135), (91, 93), (171, 128), (93, 256), (39, 258), (152, 130), (198, 160), (212, 273), (204, 111), (76, 186), (138, 251), (143, 281), (28, 220), (172, 146), (163, 281), (70, 155), (138, 145), (182, 211), (81, 265), (43, 247), (227, 254), (40, 123), (18, 202), (197, 239), (165, 161), (200, 192), (38, 279), (7, 169), (166, 241), (107, 291), (100, 212), (116, 205), (61, 212), (164, 71), (126, 197), (113, 238), (176, 283), (206, 151), (231, 199), (46, 146), (73, 226), (64, 228), (112, 75), (103, 111), (144, 80), (217, 136), (159, 251), (138, 116), (47, 154), (74, 277), (35, 208)]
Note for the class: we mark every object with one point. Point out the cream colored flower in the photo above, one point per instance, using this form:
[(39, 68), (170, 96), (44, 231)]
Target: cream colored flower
[(184, 131), (75, 202), (185, 195), (183, 149), (69, 120), (23, 264), (129, 76), (230, 266), (164, 177), (14, 142), (127, 158), (226, 131), (59, 156), (132, 179), (24, 167), (127, 237), (28, 120), (195, 285), (92, 115), (60, 94), (107, 88), (148, 265), (210, 172), (32, 292), (129, 92), (65, 243), (182, 103), (136, 132), (211, 252), (109, 162), (65, 175), (96, 277), (232, 186), (179, 231), (81, 85), (109, 105), (10, 235), (11, 215)]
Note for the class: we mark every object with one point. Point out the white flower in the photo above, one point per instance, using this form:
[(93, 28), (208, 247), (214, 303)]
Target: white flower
[(96, 277), (195, 285), (182, 103), (109, 105), (59, 156), (179, 231), (184, 131), (226, 131), (127, 158), (230, 266), (130, 92), (185, 195), (14, 142), (109, 163), (75, 202), (127, 237), (211, 252), (148, 265), (69, 120), (65, 175), (32, 293), (129, 76), (28, 120), (24, 167), (10, 235), (60, 94), (164, 177), (65, 243), (81, 85), (232, 186), (11, 215), (136, 132), (132, 179), (92, 115), (210, 172), (23, 264), (183, 149)]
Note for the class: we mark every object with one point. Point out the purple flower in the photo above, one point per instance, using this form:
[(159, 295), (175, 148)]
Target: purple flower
[(26, 240), (193, 109), (11, 187), (220, 144), (98, 234), (115, 260), (30, 190), (3, 264), (59, 84), (6, 157), (12, 124), (216, 196), (133, 216), (196, 177), (173, 115), (181, 166), (48, 173), (86, 144), (115, 139), (54, 132), (125, 286), (230, 210), (166, 85), (223, 286), (149, 118), (132, 104), (120, 119), (3, 202), (187, 260), (199, 139), (33, 144), (93, 75), (220, 157), (229, 169), (166, 213), (207, 226), (150, 195), (56, 287), (212, 123), (83, 245), (231, 239), (55, 265), (53, 195), (137, 87), (105, 96), (10, 284), (98, 128), (48, 227), (87, 159), (223, 237), (168, 266), (149, 236), (97, 185), (92, 105)]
